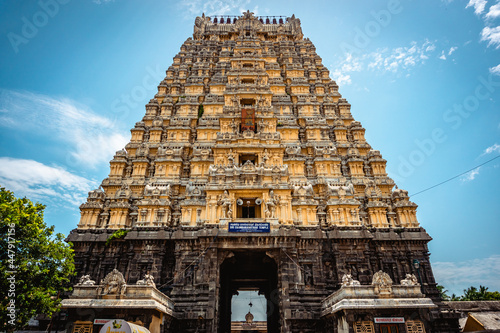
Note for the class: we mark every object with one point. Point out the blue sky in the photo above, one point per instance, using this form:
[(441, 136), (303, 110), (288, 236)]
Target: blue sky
[(423, 78)]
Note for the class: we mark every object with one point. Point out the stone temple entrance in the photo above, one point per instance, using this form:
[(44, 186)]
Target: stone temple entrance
[(248, 131), (244, 270)]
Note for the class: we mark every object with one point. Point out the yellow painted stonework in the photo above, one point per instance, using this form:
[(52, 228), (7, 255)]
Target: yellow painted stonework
[(189, 162)]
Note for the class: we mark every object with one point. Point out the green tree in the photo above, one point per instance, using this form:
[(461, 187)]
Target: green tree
[(481, 294), (494, 296), (35, 264), (443, 293)]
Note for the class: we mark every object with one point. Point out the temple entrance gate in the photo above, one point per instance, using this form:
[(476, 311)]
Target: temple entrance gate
[(245, 270)]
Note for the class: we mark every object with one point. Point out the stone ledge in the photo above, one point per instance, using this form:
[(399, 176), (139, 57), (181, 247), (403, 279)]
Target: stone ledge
[(85, 296), (116, 304), (386, 303)]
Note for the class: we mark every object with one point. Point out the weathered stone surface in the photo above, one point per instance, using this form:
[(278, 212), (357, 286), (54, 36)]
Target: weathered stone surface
[(247, 126)]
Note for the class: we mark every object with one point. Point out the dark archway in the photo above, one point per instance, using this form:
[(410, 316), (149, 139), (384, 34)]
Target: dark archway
[(249, 270)]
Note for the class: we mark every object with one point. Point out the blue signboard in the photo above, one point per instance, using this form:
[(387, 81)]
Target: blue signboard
[(249, 227)]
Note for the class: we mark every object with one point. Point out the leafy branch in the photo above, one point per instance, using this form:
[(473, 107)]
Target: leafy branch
[(118, 234)]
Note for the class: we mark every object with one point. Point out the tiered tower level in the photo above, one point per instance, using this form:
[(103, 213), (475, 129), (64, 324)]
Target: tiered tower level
[(300, 141), (248, 126)]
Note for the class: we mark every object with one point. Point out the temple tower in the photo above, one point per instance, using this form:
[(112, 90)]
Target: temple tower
[(248, 171)]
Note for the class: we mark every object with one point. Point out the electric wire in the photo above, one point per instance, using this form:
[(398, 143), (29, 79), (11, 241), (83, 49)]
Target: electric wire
[(463, 173), (293, 260), (412, 195), (197, 260)]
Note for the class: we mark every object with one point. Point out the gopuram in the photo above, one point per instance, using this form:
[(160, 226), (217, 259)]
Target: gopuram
[(248, 172)]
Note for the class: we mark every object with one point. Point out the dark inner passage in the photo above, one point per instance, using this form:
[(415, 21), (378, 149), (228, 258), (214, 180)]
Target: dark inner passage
[(248, 208), (248, 212), (249, 270)]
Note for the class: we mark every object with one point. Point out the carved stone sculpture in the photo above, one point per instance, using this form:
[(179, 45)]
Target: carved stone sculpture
[(113, 283), (410, 280), (148, 280), (226, 202), (383, 283), (347, 280), (85, 281), (270, 205)]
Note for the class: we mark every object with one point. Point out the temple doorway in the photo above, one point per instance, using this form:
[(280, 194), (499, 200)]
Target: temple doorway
[(245, 271)]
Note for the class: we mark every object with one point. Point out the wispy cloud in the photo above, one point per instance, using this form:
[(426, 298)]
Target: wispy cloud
[(491, 35), (478, 5), (92, 138), (457, 276), (494, 11), (495, 70), (444, 54), (470, 176), (492, 149), (40, 182), (217, 7), (399, 59), (340, 78)]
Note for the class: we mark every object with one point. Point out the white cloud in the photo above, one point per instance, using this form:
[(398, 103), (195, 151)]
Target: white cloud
[(93, 139), (217, 7), (40, 182), (395, 60), (340, 78), (495, 70), (430, 48), (492, 149), (99, 2), (491, 35), (494, 11), (351, 64), (450, 52), (457, 276), (478, 5), (470, 176)]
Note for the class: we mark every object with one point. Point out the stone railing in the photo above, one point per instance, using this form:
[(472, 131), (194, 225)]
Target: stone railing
[(372, 296), (91, 296)]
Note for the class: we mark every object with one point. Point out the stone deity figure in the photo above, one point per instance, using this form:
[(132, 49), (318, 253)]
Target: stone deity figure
[(212, 169), (347, 280), (148, 280), (234, 126), (259, 100), (265, 156), (113, 283), (235, 101), (190, 188), (86, 281), (270, 206), (226, 203), (410, 280), (231, 156)]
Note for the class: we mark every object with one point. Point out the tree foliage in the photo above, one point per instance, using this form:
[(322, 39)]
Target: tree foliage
[(443, 293), (481, 294), (118, 234), (35, 264), (471, 294)]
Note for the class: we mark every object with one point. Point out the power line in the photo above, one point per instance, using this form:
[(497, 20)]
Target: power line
[(463, 173), (195, 261)]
